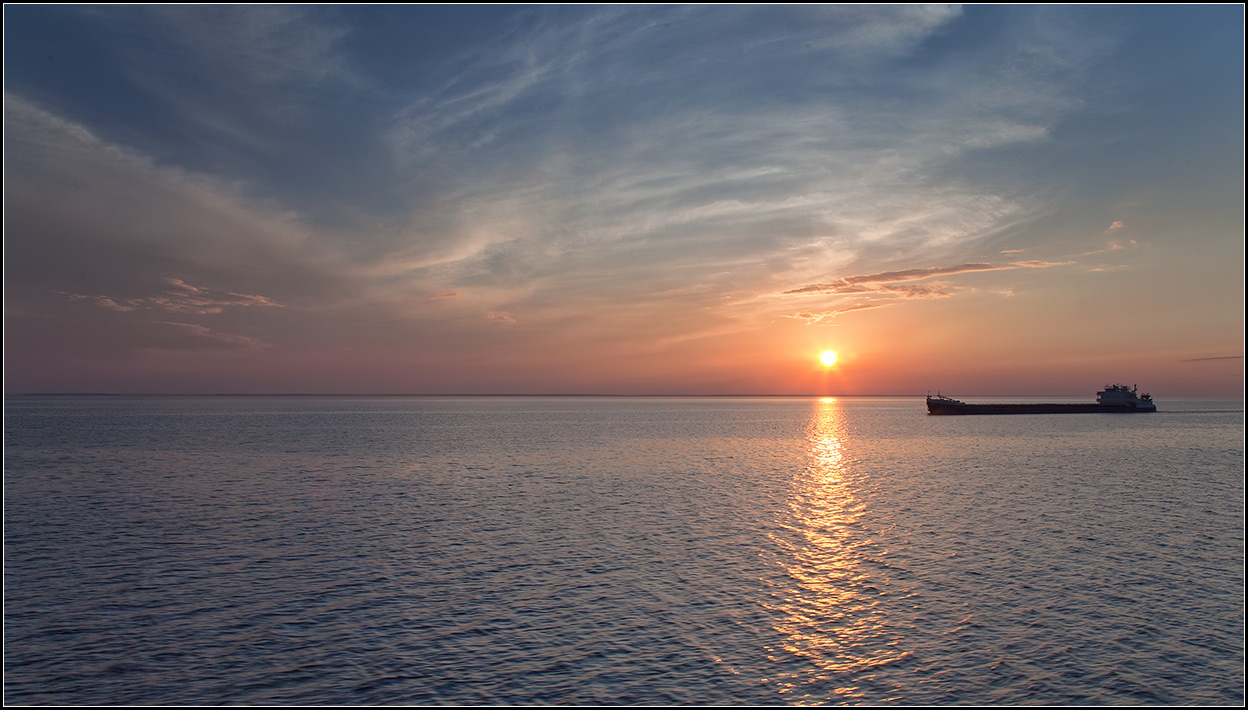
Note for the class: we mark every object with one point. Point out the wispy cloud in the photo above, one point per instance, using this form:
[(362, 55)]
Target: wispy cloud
[(892, 287), (233, 73), (183, 297), (109, 304), (826, 317), (554, 166), (1113, 247), (889, 279), (86, 212), (197, 336), (444, 181)]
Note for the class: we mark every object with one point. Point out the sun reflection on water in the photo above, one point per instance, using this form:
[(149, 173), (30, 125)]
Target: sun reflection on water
[(829, 611)]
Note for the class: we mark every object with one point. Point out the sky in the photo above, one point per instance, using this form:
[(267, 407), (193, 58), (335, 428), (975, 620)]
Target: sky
[(624, 199)]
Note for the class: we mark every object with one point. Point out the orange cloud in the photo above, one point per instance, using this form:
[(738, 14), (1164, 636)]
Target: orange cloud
[(824, 317)]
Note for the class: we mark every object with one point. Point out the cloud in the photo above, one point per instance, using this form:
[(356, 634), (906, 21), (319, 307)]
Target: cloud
[(190, 299), (197, 336), (182, 298), (860, 307), (101, 301), (1114, 246), (89, 221), (861, 284), (110, 304), (825, 317), (520, 173), (238, 75), (1040, 264), (938, 290), (302, 177), (545, 167), (83, 213), (887, 286)]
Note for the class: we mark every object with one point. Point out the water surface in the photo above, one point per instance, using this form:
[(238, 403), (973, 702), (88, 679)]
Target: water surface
[(253, 550)]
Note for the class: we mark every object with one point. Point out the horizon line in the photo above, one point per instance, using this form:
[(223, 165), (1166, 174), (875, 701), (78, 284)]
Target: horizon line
[(530, 394), (431, 394)]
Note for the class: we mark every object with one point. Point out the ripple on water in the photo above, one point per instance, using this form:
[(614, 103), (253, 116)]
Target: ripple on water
[(617, 551)]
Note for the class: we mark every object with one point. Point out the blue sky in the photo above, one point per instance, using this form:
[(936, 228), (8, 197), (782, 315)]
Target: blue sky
[(622, 198)]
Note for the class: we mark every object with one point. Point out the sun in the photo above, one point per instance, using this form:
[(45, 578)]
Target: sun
[(828, 358)]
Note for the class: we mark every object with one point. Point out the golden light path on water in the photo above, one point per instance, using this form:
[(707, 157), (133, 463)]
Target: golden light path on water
[(830, 614)]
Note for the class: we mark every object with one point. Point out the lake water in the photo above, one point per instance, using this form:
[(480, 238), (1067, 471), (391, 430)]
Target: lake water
[(335, 550)]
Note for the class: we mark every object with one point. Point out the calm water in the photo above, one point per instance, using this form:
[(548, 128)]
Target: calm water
[(252, 550)]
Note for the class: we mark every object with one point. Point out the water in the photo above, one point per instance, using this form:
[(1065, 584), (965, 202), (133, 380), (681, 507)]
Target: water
[(250, 550)]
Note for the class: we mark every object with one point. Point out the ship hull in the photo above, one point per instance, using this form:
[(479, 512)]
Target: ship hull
[(935, 406)]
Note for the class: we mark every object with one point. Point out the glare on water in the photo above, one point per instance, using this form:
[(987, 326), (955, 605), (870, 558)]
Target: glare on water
[(831, 613)]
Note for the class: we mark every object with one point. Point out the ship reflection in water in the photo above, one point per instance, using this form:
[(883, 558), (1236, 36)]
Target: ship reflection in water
[(829, 607)]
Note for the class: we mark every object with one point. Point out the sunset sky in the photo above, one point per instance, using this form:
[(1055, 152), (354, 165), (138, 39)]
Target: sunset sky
[(624, 199)]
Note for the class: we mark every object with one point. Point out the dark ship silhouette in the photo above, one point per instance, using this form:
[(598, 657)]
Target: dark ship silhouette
[(1114, 399)]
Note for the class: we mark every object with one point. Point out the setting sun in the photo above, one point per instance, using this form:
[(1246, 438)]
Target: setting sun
[(827, 358)]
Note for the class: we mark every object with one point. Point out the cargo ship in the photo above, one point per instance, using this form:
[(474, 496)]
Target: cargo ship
[(1114, 398)]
